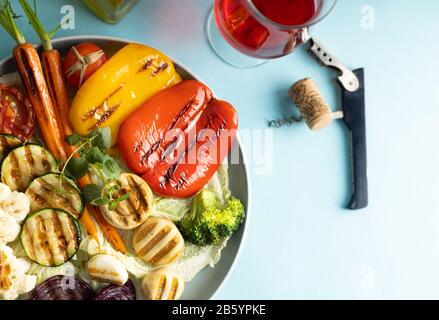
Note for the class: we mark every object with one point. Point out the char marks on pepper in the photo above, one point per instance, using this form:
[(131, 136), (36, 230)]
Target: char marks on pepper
[(161, 68), (145, 156), (146, 65), (107, 114), (168, 176)]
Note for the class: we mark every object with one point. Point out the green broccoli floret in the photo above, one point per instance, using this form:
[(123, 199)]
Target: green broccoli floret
[(209, 222)]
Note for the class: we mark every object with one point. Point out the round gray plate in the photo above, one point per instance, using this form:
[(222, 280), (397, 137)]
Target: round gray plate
[(210, 280)]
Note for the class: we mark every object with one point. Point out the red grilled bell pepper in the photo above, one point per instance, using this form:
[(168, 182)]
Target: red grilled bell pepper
[(177, 140)]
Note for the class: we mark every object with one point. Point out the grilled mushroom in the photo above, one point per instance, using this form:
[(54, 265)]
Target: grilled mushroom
[(132, 212)]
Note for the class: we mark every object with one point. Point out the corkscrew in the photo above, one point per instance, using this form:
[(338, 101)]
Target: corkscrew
[(317, 114)]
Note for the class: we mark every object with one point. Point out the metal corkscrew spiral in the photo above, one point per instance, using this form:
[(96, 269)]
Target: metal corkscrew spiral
[(313, 108)]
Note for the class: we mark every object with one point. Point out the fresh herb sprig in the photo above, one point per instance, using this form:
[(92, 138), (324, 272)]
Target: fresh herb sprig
[(7, 21), (94, 157), (31, 13), (93, 150), (94, 195)]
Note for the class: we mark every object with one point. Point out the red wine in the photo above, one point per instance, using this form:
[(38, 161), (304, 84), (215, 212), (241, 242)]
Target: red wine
[(287, 12), (242, 28)]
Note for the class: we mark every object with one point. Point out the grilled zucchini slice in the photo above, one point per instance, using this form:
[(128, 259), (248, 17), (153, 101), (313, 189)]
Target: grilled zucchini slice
[(24, 164), (7, 143), (50, 237), (57, 192)]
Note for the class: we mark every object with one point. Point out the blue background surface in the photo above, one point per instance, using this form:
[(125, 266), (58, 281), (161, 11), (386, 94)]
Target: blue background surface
[(301, 243)]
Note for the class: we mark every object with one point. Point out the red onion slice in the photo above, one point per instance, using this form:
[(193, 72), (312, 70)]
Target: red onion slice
[(116, 292), (63, 288)]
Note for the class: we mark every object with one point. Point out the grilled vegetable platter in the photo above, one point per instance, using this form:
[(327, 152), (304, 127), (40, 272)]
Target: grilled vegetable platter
[(114, 171)]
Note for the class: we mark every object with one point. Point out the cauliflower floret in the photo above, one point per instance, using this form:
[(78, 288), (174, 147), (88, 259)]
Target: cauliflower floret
[(13, 278), (5, 192), (9, 228), (17, 205)]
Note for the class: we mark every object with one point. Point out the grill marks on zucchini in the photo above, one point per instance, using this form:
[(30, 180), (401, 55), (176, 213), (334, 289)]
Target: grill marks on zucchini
[(132, 212), (7, 143), (24, 164), (50, 237), (54, 191), (29, 157)]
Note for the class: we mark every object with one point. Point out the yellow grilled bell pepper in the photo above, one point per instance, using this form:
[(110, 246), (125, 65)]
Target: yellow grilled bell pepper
[(132, 76)]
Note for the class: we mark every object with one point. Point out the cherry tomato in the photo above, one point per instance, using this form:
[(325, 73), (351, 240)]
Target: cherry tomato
[(81, 62), (17, 116), (178, 139)]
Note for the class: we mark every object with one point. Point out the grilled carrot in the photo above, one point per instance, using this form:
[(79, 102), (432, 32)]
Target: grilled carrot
[(54, 75), (51, 60), (51, 106), (30, 69), (52, 67), (110, 233), (53, 136)]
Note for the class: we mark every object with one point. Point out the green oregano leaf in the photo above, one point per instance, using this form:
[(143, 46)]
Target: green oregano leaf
[(112, 205), (73, 139), (100, 202), (91, 192), (95, 155), (76, 168), (101, 138), (111, 168)]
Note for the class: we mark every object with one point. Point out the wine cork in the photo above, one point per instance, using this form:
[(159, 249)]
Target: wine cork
[(313, 107)]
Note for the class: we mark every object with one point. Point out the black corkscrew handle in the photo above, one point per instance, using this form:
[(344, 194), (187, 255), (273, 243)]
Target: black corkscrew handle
[(355, 120)]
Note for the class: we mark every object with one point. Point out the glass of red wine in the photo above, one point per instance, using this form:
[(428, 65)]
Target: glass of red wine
[(262, 29)]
